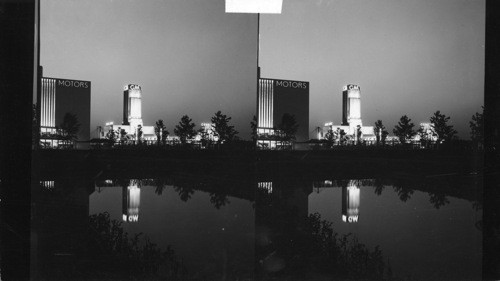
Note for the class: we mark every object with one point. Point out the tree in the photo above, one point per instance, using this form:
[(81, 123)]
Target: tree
[(358, 134), (222, 129), (111, 136), (253, 126), (185, 129), (380, 132), (161, 132), (341, 135), (69, 127), (330, 137), (123, 135), (404, 129), (442, 130), (425, 136), (204, 134), (288, 126), (477, 129), (139, 134)]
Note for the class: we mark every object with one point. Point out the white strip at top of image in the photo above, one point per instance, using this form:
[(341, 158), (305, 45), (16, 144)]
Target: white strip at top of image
[(254, 6)]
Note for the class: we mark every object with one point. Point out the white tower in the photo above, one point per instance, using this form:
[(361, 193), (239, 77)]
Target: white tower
[(351, 105), (132, 112)]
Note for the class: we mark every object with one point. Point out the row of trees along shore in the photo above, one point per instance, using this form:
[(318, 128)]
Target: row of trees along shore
[(439, 133), (221, 133)]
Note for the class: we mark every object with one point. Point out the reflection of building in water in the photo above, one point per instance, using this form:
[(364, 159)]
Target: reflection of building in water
[(279, 206), (59, 224), (350, 202), (267, 186), (131, 201)]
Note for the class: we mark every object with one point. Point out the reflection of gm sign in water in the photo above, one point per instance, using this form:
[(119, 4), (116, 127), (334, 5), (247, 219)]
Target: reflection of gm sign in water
[(74, 84), (133, 218), (292, 84), (353, 219)]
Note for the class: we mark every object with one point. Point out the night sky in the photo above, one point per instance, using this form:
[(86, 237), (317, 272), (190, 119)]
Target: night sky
[(408, 56)]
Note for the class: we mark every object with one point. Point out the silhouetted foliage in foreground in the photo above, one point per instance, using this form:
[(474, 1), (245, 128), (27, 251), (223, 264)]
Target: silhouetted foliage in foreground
[(308, 248), (111, 253), (343, 255)]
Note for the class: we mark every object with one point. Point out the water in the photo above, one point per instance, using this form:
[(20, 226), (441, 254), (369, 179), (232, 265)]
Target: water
[(284, 227)]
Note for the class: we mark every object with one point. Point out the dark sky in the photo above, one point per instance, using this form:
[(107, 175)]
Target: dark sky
[(409, 56)]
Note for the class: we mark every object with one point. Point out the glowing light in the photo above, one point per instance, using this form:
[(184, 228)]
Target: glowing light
[(268, 186), (254, 6), (132, 201), (350, 202), (47, 184)]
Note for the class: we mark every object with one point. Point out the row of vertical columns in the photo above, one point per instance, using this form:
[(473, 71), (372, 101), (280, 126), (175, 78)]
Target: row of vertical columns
[(265, 103), (48, 103)]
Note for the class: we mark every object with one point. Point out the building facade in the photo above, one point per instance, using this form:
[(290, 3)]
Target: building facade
[(275, 99), (58, 98)]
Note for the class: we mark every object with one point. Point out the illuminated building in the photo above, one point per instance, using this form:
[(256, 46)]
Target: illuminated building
[(132, 117), (351, 106), (350, 202), (206, 134), (352, 124), (131, 201), (59, 97), (132, 110), (276, 98), (427, 133)]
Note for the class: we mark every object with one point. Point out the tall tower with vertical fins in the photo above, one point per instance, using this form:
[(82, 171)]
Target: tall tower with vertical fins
[(132, 111), (351, 106)]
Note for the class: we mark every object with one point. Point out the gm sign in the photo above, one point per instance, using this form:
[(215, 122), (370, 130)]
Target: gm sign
[(132, 87), (351, 87), (352, 218)]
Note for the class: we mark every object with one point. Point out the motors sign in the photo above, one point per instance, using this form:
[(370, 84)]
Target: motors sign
[(73, 84), (291, 84)]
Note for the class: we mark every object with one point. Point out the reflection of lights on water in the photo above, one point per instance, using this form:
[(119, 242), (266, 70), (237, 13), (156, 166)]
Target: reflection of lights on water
[(268, 186), (47, 184), (350, 203), (133, 201)]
